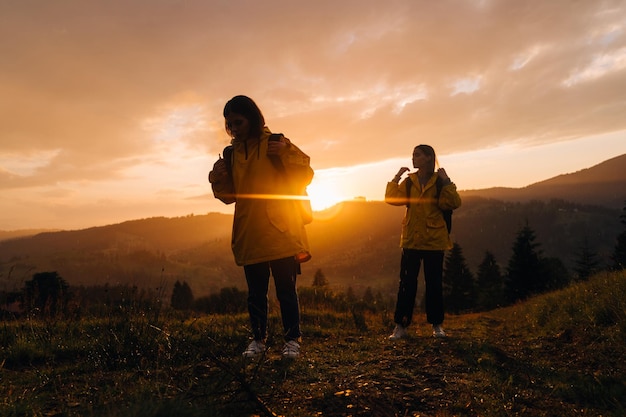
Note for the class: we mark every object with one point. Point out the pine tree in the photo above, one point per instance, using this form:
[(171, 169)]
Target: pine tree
[(458, 282), (319, 279), (182, 296), (368, 296), (554, 274), (489, 284), (524, 271), (350, 296), (619, 253), (47, 293), (231, 300), (587, 261)]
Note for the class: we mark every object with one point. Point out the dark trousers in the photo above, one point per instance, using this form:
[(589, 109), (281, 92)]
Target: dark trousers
[(284, 272), (433, 272)]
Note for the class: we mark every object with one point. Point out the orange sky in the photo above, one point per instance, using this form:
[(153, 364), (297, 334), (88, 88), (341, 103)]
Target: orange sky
[(111, 110)]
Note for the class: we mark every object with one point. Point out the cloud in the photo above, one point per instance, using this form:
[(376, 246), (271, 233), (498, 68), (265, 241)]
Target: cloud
[(98, 89)]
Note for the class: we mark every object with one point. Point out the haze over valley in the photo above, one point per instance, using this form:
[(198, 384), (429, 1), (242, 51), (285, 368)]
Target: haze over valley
[(354, 243)]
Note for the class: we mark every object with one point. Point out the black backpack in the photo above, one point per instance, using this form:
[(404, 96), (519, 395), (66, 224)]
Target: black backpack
[(447, 214)]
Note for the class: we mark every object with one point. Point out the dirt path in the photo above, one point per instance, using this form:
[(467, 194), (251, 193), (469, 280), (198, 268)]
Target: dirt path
[(473, 372)]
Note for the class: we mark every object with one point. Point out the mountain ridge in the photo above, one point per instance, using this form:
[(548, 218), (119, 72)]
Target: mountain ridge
[(355, 243), (607, 172), (600, 185)]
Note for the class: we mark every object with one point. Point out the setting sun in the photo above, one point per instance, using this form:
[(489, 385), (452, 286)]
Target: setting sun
[(324, 195)]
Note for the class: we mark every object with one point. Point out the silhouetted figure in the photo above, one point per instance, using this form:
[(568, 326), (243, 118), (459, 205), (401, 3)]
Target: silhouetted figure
[(427, 194), (263, 174)]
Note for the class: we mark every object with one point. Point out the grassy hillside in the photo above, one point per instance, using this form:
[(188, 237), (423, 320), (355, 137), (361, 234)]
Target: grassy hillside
[(560, 354)]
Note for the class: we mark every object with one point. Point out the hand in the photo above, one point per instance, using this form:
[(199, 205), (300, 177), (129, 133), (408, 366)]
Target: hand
[(219, 172), (275, 147), (442, 174), (401, 171)]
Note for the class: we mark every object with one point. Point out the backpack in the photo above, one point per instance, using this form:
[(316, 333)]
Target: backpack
[(306, 211), (447, 214)]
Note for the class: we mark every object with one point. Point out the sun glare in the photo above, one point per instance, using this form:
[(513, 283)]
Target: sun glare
[(323, 196)]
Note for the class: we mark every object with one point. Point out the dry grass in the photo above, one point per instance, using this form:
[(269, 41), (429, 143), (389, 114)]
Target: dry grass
[(560, 354)]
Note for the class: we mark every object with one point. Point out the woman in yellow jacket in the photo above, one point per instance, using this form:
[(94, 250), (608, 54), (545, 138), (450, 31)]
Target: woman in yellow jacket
[(424, 237), (262, 177)]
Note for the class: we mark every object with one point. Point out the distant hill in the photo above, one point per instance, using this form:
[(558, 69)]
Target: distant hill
[(354, 243), (360, 245), (146, 253), (11, 234), (603, 185)]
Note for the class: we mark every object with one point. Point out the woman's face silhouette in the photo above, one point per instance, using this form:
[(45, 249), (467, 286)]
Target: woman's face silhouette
[(238, 126), (421, 160)]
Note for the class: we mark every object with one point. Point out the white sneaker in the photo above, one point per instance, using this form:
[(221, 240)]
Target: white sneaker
[(254, 349), (398, 333), (291, 350), (438, 331)]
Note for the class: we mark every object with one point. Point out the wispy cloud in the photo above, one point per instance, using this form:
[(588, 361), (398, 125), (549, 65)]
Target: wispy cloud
[(90, 91)]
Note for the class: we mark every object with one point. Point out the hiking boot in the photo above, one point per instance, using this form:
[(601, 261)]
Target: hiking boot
[(438, 331), (398, 333), (254, 349), (291, 350)]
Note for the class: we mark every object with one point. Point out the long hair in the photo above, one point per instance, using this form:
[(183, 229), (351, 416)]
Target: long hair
[(429, 151), (246, 107)]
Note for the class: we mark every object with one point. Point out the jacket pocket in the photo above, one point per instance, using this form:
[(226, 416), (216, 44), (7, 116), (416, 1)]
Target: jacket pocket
[(435, 223), (276, 215)]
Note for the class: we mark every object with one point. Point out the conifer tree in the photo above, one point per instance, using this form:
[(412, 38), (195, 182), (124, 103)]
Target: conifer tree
[(319, 279), (231, 300), (619, 253), (489, 284), (350, 296), (458, 282), (554, 274), (182, 296), (47, 293), (587, 262), (524, 271), (368, 296)]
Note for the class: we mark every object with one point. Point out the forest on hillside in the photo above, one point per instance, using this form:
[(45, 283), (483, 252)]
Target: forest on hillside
[(355, 244)]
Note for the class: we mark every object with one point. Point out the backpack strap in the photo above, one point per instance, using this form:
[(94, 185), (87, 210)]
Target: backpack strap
[(447, 214), (228, 159), (408, 183), (228, 155), (439, 185), (276, 162)]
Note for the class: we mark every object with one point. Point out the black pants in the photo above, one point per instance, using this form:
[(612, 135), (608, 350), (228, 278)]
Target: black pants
[(433, 272), (284, 272)]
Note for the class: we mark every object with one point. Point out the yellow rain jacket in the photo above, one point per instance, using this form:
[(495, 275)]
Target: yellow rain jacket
[(268, 222), (423, 226)]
